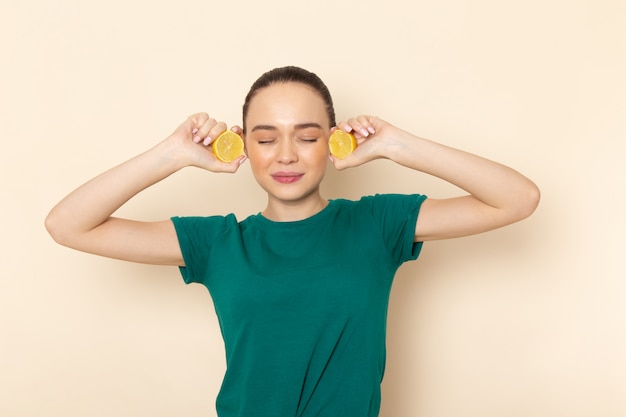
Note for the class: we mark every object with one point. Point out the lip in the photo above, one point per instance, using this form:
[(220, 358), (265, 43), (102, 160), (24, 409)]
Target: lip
[(287, 177)]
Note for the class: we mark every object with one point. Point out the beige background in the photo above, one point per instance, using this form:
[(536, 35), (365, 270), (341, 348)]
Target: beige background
[(525, 321)]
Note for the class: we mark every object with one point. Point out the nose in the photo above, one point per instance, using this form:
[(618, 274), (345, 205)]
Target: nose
[(287, 152)]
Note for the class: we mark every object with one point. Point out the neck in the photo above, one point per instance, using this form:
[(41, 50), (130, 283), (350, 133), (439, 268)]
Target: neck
[(288, 211)]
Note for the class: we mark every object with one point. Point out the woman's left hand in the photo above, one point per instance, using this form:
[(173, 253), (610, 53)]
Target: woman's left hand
[(372, 135)]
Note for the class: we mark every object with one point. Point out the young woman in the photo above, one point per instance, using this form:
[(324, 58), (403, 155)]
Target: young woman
[(303, 325)]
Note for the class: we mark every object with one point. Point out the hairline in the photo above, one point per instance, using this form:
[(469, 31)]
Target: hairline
[(292, 81)]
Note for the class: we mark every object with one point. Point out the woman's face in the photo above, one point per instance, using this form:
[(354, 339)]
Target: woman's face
[(287, 129)]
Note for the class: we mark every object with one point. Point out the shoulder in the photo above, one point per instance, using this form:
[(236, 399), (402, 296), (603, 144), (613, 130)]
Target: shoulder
[(204, 225), (383, 202), (391, 217), (205, 220), (389, 211)]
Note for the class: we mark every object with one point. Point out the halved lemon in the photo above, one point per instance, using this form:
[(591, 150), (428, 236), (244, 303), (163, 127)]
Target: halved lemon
[(228, 146), (341, 143)]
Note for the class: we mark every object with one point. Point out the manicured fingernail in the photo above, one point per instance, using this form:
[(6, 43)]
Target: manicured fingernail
[(197, 139), (194, 131), (364, 132), (371, 130), (207, 140)]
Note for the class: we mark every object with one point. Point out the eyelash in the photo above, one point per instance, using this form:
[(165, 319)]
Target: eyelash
[(267, 141)]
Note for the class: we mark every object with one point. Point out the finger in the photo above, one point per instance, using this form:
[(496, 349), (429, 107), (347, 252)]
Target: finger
[(196, 121), (237, 129), (204, 129), (206, 132), (233, 165), (201, 123), (359, 127), (189, 126), (345, 126), (341, 164), (366, 122), (214, 132)]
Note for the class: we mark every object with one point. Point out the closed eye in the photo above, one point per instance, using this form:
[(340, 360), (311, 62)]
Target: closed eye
[(265, 141)]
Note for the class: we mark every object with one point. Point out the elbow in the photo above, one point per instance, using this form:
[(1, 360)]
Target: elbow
[(54, 227), (50, 224), (528, 200)]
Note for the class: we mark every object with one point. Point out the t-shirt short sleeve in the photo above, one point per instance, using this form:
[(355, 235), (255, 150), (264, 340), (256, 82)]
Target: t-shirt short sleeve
[(397, 216), (196, 237)]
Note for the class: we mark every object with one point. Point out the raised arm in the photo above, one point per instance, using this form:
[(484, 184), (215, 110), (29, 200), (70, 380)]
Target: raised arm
[(83, 220), (497, 195)]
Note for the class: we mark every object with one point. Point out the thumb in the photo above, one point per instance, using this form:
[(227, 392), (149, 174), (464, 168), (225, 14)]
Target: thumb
[(347, 162)]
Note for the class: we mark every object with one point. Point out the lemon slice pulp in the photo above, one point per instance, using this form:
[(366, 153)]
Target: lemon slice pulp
[(228, 146), (341, 143)]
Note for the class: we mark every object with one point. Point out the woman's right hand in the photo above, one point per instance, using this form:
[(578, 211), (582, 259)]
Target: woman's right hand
[(193, 139)]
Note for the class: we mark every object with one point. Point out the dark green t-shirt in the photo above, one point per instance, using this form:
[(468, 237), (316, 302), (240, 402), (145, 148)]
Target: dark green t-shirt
[(302, 305)]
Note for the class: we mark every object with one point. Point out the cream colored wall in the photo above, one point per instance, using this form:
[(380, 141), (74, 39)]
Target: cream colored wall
[(525, 321)]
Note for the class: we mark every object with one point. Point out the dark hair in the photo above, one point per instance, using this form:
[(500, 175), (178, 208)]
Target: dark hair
[(291, 74)]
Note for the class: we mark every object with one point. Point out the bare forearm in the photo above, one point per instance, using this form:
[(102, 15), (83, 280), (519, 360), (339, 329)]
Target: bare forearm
[(490, 182), (83, 220), (94, 202)]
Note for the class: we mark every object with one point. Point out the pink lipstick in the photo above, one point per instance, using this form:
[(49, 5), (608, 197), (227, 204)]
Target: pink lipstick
[(286, 177)]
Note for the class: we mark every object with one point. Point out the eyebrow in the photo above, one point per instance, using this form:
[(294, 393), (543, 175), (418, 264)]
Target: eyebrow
[(299, 126)]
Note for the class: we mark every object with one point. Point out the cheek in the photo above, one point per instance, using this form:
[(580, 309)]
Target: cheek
[(321, 151), (316, 157), (257, 158), (253, 151)]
